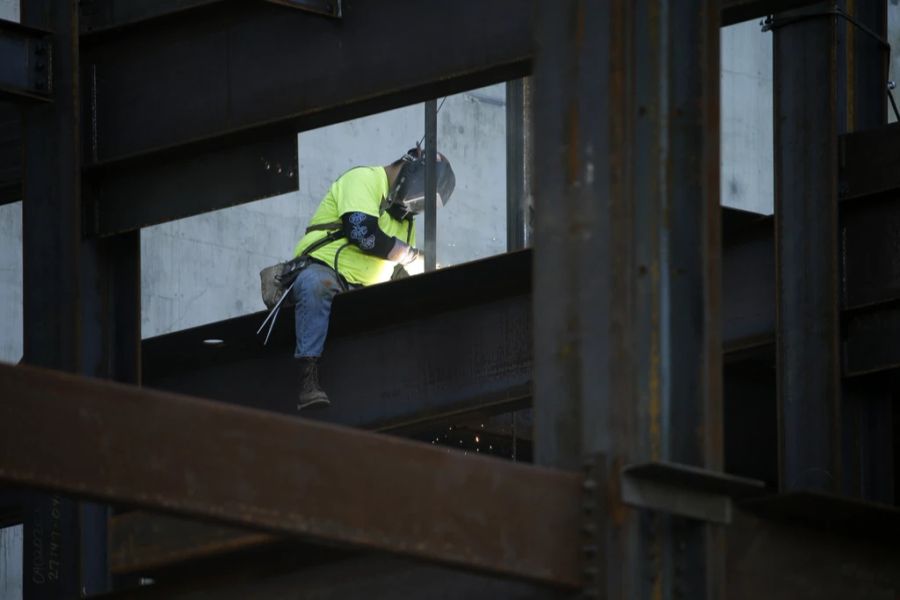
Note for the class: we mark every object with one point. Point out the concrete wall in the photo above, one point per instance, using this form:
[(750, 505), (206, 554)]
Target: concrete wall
[(9, 10), (894, 41), (11, 282), (747, 175)]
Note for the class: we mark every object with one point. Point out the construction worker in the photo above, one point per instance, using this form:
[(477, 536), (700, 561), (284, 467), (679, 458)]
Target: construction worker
[(362, 233)]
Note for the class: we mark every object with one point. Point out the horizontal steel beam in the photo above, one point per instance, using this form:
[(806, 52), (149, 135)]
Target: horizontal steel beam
[(372, 577), (329, 8), (869, 162), (467, 331), (736, 11), (465, 334), (142, 542), (156, 190), (255, 65), (768, 558), (25, 63), (251, 468), (106, 16)]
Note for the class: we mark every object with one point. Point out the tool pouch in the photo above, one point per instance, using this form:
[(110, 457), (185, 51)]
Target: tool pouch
[(275, 280)]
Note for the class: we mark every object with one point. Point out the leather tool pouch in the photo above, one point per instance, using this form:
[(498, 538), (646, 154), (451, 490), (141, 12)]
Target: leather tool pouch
[(275, 280)]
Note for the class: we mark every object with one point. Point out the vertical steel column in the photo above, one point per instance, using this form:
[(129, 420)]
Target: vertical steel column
[(828, 80), (430, 185), (519, 161), (50, 241), (81, 302), (627, 274)]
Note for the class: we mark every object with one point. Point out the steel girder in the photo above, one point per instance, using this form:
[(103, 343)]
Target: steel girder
[(829, 80), (252, 468), (628, 359)]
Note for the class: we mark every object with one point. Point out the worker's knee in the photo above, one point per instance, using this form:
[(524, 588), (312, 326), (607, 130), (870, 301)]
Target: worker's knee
[(316, 283)]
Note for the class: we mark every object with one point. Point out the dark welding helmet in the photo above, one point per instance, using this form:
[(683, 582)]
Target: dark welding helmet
[(407, 196)]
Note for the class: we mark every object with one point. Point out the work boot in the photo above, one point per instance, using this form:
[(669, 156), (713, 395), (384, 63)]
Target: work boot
[(311, 395)]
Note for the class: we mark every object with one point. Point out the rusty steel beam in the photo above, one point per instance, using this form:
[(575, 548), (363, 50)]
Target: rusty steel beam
[(627, 349), (255, 469), (142, 542), (369, 576)]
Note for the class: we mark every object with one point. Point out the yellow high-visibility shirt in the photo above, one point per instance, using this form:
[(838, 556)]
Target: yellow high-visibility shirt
[(360, 189)]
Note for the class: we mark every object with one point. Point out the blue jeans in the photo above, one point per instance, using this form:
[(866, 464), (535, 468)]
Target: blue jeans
[(312, 293)]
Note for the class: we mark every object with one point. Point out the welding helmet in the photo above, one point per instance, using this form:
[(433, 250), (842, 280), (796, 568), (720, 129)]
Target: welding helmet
[(407, 196)]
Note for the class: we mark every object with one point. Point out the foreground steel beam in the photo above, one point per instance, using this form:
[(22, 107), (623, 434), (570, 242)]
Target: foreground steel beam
[(256, 469), (627, 272), (371, 577)]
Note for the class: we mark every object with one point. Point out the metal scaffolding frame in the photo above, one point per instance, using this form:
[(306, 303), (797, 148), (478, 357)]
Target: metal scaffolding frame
[(711, 392)]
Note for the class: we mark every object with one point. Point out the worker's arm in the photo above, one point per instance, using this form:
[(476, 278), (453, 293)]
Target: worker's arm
[(363, 231)]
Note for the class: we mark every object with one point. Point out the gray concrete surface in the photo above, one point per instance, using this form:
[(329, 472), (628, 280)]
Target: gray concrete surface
[(747, 177), (9, 10)]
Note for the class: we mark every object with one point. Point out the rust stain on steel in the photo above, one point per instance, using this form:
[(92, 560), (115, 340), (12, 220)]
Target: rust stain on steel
[(287, 475)]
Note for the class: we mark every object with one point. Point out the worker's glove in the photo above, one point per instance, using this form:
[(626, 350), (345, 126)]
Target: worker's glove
[(399, 273), (412, 256)]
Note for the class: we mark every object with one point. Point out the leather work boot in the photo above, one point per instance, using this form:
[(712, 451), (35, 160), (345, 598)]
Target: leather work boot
[(311, 395)]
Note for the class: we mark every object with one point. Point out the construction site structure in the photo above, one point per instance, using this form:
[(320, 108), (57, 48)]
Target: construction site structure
[(699, 401)]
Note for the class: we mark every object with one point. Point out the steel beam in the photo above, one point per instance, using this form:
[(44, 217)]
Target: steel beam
[(232, 74), (786, 560), (51, 237), (105, 16), (869, 162), (627, 249), (430, 216), (142, 543), (25, 63), (127, 197), (466, 331), (519, 163), (370, 576), (255, 469), (829, 79), (81, 302), (10, 153), (807, 124), (470, 327), (736, 11)]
